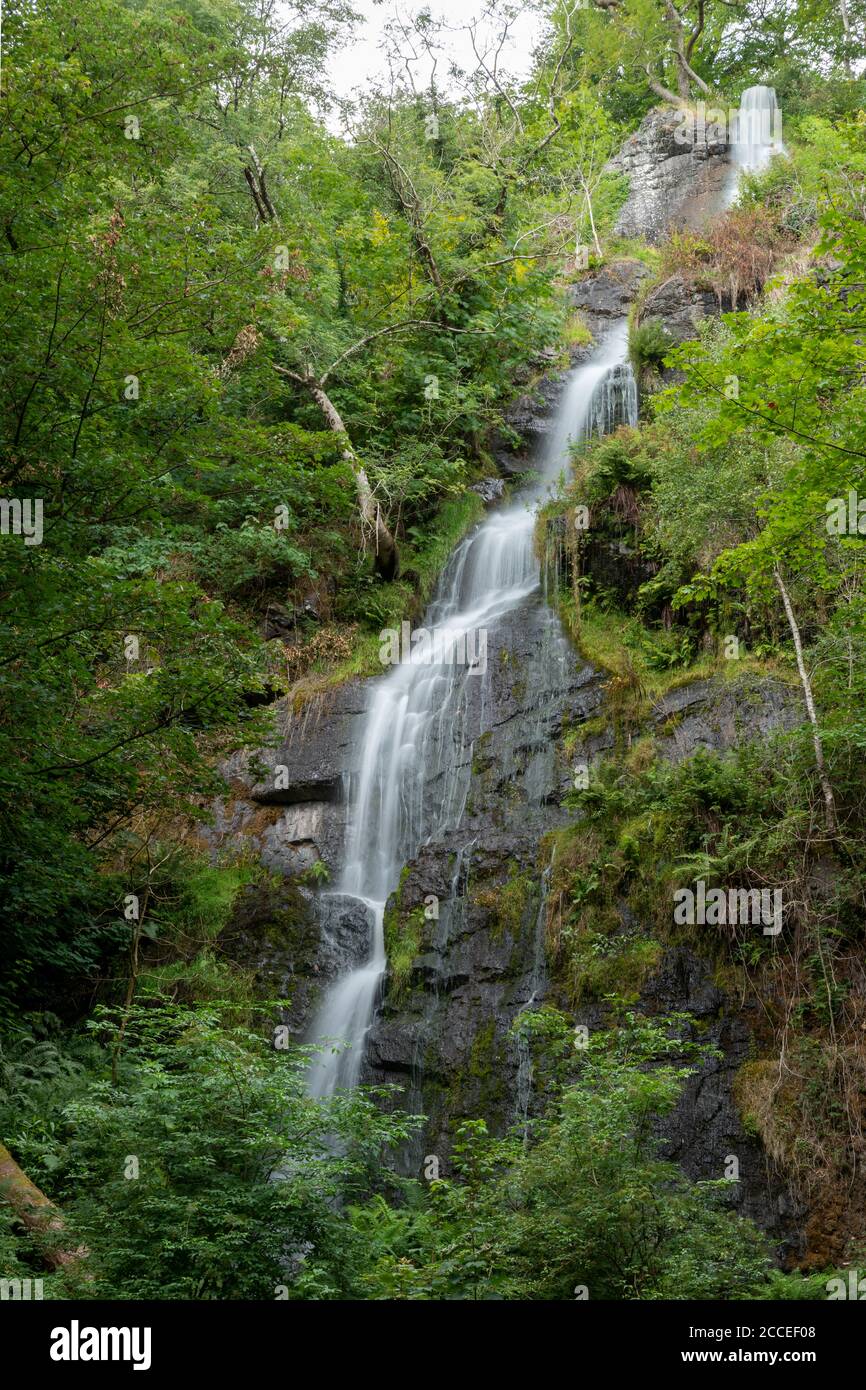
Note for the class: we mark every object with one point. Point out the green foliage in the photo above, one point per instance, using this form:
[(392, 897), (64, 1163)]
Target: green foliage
[(160, 323), (186, 484), (206, 1168), (403, 935), (649, 344), (587, 1204)]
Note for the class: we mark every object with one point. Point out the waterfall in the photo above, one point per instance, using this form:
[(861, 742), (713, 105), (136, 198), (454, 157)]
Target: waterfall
[(756, 135), (414, 774)]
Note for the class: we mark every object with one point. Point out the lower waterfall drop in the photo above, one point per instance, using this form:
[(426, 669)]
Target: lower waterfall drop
[(413, 778)]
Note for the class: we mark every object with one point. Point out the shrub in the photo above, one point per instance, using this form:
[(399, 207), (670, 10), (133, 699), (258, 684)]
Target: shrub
[(649, 344)]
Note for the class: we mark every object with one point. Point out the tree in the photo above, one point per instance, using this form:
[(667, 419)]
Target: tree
[(660, 37), (586, 1209), (799, 372)]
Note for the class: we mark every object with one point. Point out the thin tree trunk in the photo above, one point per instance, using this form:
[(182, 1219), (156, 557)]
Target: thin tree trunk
[(826, 788), (387, 558), (846, 26), (407, 196), (261, 211), (37, 1212), (588, 196), (661, 91)]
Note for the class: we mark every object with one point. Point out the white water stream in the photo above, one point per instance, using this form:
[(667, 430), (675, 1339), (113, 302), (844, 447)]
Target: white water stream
[(413, 780), (756, 136)]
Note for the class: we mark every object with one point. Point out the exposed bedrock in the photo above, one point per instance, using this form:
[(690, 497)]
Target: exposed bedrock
[(677, 170), (602, 297), (704, 1133), (444, 1034), (461, 973), (606, 294)]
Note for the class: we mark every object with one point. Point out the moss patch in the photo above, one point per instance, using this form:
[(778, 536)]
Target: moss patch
[(506, 903)]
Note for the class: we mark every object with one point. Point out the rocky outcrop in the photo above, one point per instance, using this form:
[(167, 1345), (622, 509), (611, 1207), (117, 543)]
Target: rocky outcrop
[(287, 802), (680, 307), (718, 714), (527, 425), (604, 295), (286, 807), (489, 489), (713, 715), (677, 171), (444, 1036), (704, 1134)]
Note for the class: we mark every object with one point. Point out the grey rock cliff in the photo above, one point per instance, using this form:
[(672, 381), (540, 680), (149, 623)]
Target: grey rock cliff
[(676, 171)]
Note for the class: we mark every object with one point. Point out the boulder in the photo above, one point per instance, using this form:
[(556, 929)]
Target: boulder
[(489, 489)]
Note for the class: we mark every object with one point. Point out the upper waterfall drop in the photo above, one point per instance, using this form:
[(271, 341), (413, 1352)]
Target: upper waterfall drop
[(413, 779), (756, 134)]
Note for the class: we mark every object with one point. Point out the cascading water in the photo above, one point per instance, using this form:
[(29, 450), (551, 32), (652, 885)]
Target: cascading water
[(756, 135), (414, 773)]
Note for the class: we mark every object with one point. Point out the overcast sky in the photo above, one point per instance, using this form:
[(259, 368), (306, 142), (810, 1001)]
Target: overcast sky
[(362, 62)]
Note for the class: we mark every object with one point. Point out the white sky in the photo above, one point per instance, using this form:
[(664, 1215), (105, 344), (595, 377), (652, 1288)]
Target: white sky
[(361, 63)]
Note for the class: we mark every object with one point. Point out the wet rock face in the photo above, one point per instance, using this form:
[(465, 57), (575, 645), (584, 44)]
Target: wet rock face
[(716, 715), (528, 421), (346, 934), (287, 803), (604, 295), (704, 1133), (313, 755), (676, 173), (444, 1036)]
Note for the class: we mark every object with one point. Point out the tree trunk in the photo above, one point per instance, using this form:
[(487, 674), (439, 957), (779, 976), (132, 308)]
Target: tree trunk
[(588, 196), (661, 91), (826, 788), (37, 1212), (683, 49), (387, 557), (406, 195), (846, 26)]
